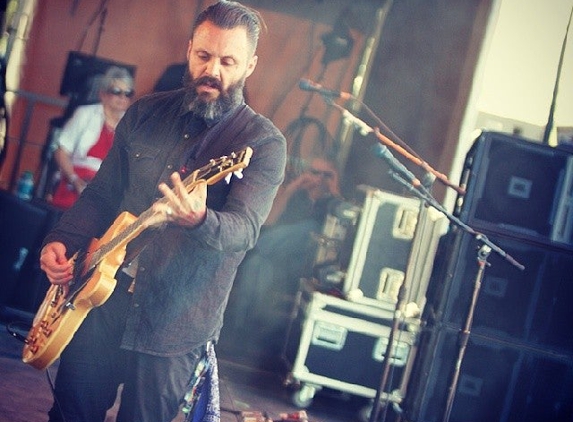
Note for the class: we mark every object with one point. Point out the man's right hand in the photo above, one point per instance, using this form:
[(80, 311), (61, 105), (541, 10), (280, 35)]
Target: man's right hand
[(56, 265)]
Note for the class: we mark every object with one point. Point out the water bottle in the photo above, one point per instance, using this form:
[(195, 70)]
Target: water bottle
[(25, 186)]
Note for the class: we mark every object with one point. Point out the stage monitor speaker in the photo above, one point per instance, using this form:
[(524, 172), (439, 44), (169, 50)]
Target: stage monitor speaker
[(498, 381), (532, 306), (518, 187), (23, 225)]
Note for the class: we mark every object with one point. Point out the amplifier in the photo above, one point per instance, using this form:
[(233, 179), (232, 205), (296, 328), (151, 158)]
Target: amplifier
[(530, 307), (23, 226), (498, 381), (519, 188)]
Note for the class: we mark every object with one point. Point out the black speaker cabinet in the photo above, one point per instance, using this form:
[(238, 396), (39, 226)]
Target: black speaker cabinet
[(23, 225), (532, 306), (518, 187), (498, 381), (518, 365)]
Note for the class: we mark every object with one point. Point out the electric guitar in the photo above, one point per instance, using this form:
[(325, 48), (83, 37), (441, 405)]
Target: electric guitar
[(63, 310)]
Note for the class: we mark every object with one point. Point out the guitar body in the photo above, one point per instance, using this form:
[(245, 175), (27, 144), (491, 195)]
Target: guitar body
[(59, 317), (61, 313)]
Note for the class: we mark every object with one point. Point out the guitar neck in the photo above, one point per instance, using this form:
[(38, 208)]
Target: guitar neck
[(134, 229), (211, 173)]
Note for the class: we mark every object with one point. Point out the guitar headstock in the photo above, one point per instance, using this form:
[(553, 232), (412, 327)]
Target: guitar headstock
[(219, 168)]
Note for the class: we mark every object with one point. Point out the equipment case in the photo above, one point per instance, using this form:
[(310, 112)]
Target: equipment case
[(339, 344), (395, 244)]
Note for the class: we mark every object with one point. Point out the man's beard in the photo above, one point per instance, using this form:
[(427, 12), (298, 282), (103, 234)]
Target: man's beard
[(202, 106)]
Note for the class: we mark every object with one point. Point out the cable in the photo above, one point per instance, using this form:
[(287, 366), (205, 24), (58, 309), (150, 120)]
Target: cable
[(295, 132), (12, 330), (10, 327), (53, 390), (101, 9)]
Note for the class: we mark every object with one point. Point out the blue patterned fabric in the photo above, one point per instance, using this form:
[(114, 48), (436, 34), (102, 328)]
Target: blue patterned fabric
[(202, 401)]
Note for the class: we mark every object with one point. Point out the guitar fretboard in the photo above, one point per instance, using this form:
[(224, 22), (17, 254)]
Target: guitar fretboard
[(212, 172)]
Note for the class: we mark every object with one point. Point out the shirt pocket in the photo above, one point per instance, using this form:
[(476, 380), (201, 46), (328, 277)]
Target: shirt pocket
[(145, 166)]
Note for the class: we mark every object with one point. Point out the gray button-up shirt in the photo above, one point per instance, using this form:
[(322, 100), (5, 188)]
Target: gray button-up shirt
[(184, 274)]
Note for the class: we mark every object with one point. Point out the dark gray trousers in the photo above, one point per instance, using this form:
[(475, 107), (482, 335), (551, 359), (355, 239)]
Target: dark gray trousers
[(93, 366)]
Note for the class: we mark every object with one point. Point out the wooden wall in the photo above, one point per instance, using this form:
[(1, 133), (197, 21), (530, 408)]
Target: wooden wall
[(419, 82)]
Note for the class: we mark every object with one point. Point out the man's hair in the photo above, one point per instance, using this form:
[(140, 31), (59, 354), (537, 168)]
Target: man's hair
[(231, 14)]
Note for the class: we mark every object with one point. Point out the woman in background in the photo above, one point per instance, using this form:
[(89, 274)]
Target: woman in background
[(87, 137)]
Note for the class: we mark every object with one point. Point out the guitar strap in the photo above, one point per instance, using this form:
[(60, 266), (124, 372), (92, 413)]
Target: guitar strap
[(218, 139)]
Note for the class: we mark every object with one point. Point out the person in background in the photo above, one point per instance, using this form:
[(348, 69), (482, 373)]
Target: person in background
[(298, 211), (283, 253), (167, 307), (87, 136), (305, 197)]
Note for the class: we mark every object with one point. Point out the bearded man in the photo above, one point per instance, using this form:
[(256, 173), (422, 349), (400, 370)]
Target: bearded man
[(174, 283)]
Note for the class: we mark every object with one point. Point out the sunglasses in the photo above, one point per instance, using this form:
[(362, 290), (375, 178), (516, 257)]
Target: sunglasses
[(325, 174), (117, 91)]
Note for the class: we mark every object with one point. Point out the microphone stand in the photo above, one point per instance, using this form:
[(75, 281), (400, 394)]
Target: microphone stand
[(550, 119), (402, 175), (101, 27), (482, 255)]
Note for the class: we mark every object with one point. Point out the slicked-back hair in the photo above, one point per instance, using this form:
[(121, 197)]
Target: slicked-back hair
[(232, 14)]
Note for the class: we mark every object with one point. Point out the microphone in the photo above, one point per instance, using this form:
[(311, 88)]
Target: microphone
[(383, 152), (308, 85)]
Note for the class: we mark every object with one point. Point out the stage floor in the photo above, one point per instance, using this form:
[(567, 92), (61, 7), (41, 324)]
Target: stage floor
[(26, 394)]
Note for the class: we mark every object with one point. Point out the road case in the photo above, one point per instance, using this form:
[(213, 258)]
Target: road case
[(395, 244), (339, 344)]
